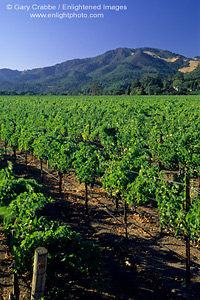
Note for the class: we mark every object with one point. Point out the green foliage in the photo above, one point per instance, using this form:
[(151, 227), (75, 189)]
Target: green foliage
[(86, 163), (171, 201), (131, 133), (172, 208), (5, 212), (10, 187), (143, 188), (67, 252), (122, 172), (26, 139), (60, 153), (110, 135)]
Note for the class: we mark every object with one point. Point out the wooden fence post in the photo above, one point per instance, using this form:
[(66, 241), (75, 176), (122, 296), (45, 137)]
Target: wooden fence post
[(39, 273)]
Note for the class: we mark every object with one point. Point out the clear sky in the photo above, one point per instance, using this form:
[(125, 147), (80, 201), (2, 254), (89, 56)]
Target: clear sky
[(28, 41)]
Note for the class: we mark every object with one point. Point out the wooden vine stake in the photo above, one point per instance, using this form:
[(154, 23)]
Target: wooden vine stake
[(39, 273), (41, 170), (26, 158), (188, 235), (14, 154), (117, 203), (60, 175), (86, 199), (15, 287), (125, 219), (160, 142), (5, 150)]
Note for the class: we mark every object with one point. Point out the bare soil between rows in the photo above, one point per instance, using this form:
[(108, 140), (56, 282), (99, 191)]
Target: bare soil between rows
[(146, 266)]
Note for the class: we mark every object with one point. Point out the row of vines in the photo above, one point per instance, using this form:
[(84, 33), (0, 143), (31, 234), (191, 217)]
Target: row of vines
[(130, 143), (69, 257)]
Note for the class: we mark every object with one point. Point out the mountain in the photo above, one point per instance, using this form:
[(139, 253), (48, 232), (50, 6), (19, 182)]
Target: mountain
[(8, 74), (112, 69), (194, 75)]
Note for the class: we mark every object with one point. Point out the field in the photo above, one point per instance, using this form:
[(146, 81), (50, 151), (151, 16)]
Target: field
[(137, 158)]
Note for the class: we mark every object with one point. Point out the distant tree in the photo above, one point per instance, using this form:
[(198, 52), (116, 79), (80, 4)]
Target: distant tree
[(157, 80), (120, 91), (153, 89), (3, 92), (178, 83), (146, 81), (96, 89), (135, 86), (179, 76), (140, 91), (167, 83), (128, 90), (152, 85)]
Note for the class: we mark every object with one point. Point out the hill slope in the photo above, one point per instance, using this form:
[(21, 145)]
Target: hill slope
[(111, 69)]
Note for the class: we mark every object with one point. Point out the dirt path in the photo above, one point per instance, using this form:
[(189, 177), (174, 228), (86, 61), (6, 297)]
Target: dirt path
[(137, 268)]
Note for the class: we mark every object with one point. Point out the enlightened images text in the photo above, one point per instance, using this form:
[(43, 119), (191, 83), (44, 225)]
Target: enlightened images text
[(65, 7)]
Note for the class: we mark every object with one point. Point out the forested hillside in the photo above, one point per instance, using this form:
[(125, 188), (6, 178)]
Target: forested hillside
[(110, 73)]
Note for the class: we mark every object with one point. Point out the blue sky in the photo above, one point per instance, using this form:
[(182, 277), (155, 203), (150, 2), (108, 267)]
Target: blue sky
[(27, 43)]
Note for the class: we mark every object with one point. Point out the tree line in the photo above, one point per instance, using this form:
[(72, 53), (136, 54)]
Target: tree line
[(179, 84), (153, 85)]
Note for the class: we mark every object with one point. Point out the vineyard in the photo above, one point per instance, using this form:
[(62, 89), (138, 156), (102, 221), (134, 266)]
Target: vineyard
[(143, 153)]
